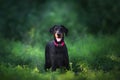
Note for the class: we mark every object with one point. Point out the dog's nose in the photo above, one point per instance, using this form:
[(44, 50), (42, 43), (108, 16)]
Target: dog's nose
[(59, 35)]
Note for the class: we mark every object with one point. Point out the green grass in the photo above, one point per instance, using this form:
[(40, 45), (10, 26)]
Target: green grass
[(25, 73), (91, 58)]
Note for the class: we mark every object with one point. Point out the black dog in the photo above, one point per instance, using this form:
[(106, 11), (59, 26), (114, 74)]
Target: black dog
[(56, 53)]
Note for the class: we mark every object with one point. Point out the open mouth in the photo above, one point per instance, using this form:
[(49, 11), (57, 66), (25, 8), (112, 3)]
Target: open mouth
[(58, 39)]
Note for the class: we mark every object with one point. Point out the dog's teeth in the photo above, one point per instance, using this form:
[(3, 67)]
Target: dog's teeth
[(58, 39)]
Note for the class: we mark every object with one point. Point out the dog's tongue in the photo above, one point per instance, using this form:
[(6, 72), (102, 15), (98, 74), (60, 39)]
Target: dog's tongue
[(58, 39)]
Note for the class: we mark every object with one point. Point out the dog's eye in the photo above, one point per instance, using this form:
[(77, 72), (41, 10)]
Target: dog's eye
[(62, 30), (55, 28)]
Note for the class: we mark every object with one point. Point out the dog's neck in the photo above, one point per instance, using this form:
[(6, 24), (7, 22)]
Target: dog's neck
[(59, 44)]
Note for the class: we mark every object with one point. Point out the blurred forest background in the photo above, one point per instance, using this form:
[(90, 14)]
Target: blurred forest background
[(93, 41)]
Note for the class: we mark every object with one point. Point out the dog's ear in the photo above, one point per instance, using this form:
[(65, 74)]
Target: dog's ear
[(52, 29), (65, 30)]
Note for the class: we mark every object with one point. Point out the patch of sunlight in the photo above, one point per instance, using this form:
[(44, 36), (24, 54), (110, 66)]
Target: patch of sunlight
[(84, 66), (35, 70), (114, 58), (19, 67), (67, 76)]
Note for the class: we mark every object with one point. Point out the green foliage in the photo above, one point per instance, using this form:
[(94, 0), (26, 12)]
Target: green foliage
[(93, 40), (91, 58), (25, 73)]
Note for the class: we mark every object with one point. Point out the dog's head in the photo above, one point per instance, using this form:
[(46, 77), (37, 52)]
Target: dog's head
[(59, 31)]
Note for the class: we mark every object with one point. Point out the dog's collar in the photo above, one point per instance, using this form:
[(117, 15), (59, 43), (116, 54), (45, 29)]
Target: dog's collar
[(59, 45)]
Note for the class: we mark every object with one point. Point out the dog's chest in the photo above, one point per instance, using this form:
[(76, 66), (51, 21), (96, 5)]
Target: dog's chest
[(59, 50)]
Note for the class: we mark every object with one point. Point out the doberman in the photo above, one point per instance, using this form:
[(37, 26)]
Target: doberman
[(56, 53)]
